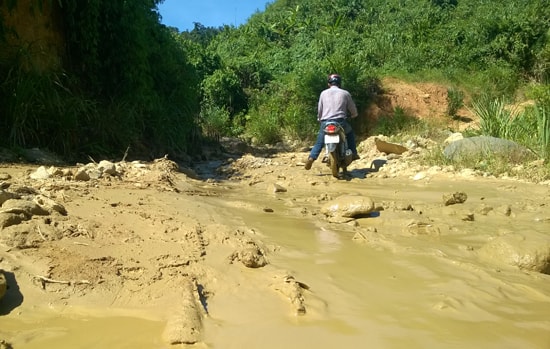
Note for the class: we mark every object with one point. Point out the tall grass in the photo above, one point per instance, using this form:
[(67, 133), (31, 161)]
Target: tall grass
[(264, 128), (214, 121), (496, 119), (527, 126), (39, 111), (455, 101)]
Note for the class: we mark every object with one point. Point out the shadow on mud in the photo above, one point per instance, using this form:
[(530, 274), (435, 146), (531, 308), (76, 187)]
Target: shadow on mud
[(363, 172), (13, 297)]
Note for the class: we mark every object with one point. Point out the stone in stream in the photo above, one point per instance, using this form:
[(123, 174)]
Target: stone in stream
[(527, 251), (454, 198), (348, 206)]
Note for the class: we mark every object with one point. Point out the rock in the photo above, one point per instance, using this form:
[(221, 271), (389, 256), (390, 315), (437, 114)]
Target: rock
[(9, 219), (6, 195), (82, 175), (348, 206), (484, 209), (468, 217), (93, 172), (483, 146), (40, 173), (250, 257), (5, 345), (55, 171), (453, 137), (276, 188), (389, 148), (40, 156), (4, 176), (419, 176), (527, 251), (49, 205), (505, 210), (107, 167), (28, 208), (455, 198)]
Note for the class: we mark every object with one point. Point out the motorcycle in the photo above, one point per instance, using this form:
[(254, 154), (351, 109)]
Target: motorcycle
[(336, 147)]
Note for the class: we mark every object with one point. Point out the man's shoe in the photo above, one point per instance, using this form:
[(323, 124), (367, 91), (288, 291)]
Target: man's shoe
[(356, 157), (308, 164)]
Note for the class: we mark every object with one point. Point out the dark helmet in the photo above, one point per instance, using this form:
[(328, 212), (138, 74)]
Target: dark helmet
[(334, 79)]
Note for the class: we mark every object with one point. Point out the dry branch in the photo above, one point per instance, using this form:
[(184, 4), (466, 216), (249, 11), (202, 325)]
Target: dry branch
[(45, 280)]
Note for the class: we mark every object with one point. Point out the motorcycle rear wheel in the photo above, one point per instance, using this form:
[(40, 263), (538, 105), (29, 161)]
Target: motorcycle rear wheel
[(333, 162)]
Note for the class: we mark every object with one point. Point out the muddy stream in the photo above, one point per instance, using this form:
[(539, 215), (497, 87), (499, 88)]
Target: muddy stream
[(413, 273)]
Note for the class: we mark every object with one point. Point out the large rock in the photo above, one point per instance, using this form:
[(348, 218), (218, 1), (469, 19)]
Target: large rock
[(49, 205), (526, 251), (483, 146), (348, 206), (41, 156), (6, 195), (107, 167), (9, 219), (28, 208), (40, 173), (389, 148)]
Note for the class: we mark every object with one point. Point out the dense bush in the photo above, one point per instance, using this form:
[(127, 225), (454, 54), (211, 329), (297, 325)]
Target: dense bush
[(125, 82), (484, 47)]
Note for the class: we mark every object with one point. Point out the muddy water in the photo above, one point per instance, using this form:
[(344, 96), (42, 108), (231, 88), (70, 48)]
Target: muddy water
[(397, 290), (400, 291), (80, 330)]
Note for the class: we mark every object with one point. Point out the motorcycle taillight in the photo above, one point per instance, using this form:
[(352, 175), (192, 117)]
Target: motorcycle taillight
[(331, 128)]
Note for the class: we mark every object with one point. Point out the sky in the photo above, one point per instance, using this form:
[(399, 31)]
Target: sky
[(211, 13)]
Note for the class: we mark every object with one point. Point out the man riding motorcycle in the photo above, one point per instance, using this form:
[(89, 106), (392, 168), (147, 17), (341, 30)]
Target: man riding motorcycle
[(334, 104)]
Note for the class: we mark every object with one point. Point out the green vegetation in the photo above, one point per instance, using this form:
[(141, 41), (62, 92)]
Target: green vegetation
[(397, 123), (127, 80), (455, 101)]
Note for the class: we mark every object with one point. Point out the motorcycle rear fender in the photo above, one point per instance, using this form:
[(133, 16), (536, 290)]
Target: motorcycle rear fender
[(331, 147)]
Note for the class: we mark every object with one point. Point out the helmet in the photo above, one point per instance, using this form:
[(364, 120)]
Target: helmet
[(334, 79)]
